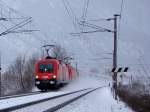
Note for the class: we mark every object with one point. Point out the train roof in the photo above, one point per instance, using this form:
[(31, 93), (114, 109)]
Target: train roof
[(47, 60)]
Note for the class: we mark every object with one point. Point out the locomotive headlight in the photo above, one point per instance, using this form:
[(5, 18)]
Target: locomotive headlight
[(54, 76), (36, 76)]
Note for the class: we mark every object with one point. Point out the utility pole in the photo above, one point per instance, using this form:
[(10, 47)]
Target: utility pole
[(115, 48), (114, 77)]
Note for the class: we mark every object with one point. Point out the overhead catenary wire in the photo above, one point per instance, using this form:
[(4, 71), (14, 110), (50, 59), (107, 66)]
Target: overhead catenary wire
[(84, 15), (19, 25), (81, 22), (32, 32), (70, 13), (97, 20), (24, 30), (93, 31), (121, 13), (11, 15), (16, 26), (91, 26), (94, 26), (121, 9), (72, 16)]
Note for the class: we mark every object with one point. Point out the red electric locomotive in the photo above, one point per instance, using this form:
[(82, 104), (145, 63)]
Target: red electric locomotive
[(51, 72)]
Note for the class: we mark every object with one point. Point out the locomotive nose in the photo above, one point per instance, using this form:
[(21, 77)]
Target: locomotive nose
[(52, 76), (49, 76)]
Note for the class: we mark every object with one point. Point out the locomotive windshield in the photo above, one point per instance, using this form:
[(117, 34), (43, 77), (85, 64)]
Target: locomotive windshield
[(45, 68)]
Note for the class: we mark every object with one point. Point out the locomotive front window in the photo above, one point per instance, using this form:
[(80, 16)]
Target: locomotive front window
[(45, 68)]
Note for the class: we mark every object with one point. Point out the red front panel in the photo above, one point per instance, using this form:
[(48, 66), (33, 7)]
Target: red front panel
[(46, 69)]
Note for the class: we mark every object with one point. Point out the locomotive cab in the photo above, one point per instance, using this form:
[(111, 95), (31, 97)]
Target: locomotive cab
[(46, 72)]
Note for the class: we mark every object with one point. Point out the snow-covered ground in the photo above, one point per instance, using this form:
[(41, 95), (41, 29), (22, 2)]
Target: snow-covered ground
[(98, 101), (45, 106), (26, 99)]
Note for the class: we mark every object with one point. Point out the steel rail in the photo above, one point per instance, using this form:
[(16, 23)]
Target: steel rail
[(55, 108), (16, 107), (20, 95)]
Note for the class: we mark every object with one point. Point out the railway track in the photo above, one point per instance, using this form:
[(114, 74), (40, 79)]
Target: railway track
[(20, 95), (49, 103)]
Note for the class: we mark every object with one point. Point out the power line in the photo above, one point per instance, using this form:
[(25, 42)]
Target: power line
[(84, 15), (23, 30), (121, 11), (99, 19), (94, 26), (28, 31), (19, 25), (9, 12), (70, 12), (94, 31), (67, 10)]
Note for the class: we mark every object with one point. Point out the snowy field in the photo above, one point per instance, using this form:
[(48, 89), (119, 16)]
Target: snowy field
[(98, 101)]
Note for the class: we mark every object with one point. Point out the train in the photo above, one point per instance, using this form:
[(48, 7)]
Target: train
[(51, 73)]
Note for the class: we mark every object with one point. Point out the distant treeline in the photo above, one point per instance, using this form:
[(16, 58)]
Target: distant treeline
[(19, 76)]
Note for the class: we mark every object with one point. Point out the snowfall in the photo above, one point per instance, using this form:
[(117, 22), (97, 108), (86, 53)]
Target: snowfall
[(55, 25)]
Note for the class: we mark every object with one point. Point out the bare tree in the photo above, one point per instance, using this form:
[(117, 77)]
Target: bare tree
[(19, 76)]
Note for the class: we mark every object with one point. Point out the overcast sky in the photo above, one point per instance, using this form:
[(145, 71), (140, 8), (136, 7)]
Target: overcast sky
[(51, 17)]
